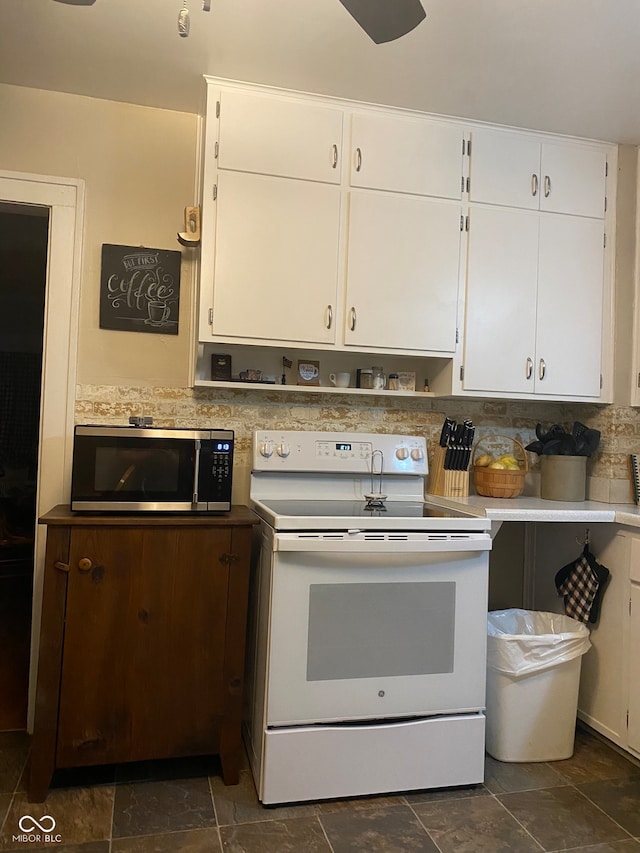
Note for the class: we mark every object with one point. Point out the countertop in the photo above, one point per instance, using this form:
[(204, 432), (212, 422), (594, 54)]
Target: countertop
[(537, 509)]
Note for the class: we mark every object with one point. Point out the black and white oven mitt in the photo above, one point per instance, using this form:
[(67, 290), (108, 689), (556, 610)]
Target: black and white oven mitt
[(582, 583)]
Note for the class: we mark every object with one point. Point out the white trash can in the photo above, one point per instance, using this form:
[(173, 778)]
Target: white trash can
[(533, 678)]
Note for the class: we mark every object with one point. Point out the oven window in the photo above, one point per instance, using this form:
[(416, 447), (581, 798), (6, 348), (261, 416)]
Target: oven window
[(366, 630)]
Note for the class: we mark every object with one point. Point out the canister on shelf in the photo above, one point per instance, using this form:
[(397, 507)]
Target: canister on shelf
[(393, 382)]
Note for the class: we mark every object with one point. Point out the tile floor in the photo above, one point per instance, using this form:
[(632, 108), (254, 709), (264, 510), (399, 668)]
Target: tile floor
[(589, 803)]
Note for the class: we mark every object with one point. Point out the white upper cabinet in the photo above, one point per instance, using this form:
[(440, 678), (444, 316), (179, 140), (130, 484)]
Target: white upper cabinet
[(520, 170), (277, 135), (276, 259), (534, 304), (501, 300), (402, 272), (406, 154), (569, 317)]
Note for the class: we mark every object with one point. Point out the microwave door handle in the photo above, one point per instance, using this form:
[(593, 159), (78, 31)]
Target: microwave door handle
[(196, 473)]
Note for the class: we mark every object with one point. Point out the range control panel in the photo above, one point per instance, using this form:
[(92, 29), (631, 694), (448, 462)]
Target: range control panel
[(348, 453)]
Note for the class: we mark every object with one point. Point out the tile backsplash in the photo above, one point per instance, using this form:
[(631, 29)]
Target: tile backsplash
[(245, 410)]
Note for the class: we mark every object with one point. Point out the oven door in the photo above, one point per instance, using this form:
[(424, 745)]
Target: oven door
[(370, 626)]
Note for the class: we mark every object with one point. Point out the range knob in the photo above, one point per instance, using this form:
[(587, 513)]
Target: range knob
[(283, 449), (266, 448), (402, 453), (417, 454)]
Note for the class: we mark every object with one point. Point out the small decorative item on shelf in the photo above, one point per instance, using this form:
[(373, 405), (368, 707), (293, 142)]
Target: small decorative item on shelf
[(406, 380), (393, 382), (364, 378), (221, 367), (501, 475), (286, 364), (308, 372)]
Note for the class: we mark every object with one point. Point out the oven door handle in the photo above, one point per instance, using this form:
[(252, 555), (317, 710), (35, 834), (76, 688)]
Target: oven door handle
[(370, 544)]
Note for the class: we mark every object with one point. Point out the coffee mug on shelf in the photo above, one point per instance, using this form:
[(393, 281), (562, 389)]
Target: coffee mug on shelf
[(340, 380)]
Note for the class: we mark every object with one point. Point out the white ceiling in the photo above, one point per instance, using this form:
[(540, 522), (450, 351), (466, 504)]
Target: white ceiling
[(566, 66)]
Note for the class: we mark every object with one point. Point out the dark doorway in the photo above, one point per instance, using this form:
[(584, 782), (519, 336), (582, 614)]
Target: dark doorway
[(23, 271)]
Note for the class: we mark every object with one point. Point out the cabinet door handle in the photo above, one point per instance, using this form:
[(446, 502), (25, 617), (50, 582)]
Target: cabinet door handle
[(85, 564), (334, 162), (542, 369), (547, 186), (352, 321), (329, 316), (529, 370), (60, 566), (534, 184), (358, 159)]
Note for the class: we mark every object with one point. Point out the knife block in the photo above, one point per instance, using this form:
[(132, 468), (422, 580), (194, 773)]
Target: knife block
[(445, 482)]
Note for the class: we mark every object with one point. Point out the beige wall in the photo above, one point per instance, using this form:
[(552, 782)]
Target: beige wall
[(138, 165)]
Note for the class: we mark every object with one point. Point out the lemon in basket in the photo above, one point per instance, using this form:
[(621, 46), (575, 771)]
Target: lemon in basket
[(510, 462), (484, 461)]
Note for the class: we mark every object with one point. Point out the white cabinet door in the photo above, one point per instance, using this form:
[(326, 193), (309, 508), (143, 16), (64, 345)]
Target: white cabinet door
[(406, 154), (275, 135), (504, 169), (276, 259), (499, 340), (573, 179), (569, 315), (402, 272), (633, 733)]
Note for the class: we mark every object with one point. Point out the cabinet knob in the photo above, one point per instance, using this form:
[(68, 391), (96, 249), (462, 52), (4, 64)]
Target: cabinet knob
[(85, 564)]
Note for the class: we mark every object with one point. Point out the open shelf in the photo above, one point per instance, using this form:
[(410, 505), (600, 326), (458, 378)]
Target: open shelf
[(270, 361)]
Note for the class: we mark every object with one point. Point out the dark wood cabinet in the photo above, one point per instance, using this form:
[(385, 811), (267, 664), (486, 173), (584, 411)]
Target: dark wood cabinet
[(142, 640)]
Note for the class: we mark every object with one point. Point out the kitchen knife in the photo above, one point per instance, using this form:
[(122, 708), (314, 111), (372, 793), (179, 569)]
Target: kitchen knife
[(446, 432)]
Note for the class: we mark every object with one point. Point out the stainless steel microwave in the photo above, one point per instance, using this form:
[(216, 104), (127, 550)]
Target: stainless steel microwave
[(150, 469)]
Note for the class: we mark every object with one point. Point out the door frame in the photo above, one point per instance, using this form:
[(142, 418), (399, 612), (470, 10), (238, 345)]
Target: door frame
[(64, 197)]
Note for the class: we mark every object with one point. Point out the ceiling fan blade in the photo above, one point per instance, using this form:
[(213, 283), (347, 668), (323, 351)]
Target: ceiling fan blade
[(77, 2), (386, 20)]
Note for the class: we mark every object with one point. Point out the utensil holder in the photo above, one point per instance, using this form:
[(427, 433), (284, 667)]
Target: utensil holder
[(499, 482), (563, 478), (445, 482)]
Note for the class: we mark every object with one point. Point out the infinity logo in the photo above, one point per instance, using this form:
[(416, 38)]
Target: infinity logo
[(27, 823)]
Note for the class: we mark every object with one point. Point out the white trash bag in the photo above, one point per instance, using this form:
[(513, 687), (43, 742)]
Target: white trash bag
[(520, 642)]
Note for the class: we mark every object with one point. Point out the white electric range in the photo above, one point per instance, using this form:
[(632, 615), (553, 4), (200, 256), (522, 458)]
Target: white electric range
[(369, 610)]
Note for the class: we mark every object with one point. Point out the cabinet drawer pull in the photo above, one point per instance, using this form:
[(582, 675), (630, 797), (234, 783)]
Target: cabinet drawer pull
[(329, 316), (534, 184), (352, 321), (85, 564), (358, 159), (60, 566), (542, 369), (334, 162), (547, 186), (529, 370)]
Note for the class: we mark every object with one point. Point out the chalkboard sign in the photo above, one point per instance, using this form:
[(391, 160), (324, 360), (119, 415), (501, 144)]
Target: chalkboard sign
[(139, 289)]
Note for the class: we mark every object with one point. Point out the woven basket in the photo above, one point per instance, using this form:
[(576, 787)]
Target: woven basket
[(496, 482)]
